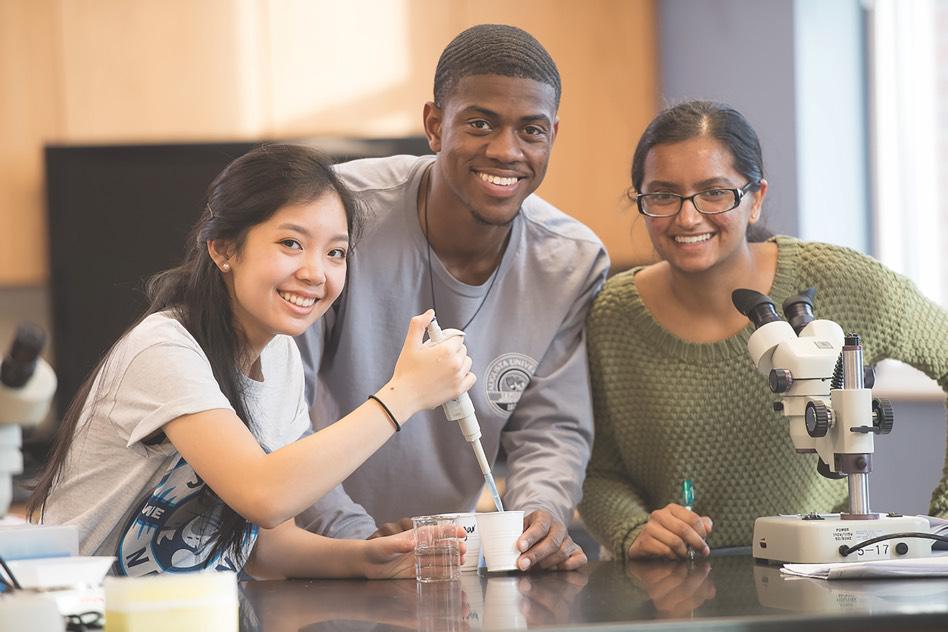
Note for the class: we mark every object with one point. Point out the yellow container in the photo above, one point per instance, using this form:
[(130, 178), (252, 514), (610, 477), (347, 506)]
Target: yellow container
[(185, 601)]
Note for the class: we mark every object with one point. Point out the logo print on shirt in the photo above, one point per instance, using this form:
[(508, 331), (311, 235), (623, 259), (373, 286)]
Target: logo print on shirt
[(174, 528), (507, 377)]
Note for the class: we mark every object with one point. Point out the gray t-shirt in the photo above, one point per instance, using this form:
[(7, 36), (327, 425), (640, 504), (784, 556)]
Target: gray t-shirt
[(532, 392), (139, 499)]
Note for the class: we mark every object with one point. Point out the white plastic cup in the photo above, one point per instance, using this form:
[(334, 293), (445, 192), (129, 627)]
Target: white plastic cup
[(472, 545), (499, 532), (437, 548)]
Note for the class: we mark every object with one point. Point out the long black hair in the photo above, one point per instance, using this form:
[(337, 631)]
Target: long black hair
[(723, 123), (246, 193)]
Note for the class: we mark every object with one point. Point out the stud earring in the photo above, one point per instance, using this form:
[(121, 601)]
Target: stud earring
[(225, 268)]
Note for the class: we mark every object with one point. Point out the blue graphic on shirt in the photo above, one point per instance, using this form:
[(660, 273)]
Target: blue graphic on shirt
[(174, 529)]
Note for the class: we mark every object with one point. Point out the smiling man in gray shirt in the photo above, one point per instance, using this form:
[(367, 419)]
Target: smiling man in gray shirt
[(463, 233)]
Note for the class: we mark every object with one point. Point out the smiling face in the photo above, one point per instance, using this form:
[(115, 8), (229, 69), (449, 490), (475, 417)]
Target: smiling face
[(690, 241), (289, 269), (493, 135)]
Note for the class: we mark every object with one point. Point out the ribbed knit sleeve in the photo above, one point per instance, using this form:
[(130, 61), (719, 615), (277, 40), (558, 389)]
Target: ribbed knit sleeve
[(611, 508), (667, 409)]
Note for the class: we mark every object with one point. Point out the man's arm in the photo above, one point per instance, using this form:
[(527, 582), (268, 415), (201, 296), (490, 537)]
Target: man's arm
[(312, 344), (337, 516), (549, 437)]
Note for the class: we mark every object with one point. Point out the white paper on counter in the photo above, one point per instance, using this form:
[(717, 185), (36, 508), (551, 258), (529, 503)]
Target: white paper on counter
[(934, 566)]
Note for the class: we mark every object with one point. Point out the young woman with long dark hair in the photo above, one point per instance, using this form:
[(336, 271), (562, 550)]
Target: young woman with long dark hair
[(182, 451)]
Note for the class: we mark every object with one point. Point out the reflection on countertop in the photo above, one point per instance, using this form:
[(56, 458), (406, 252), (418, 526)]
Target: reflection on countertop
[(717, 593)]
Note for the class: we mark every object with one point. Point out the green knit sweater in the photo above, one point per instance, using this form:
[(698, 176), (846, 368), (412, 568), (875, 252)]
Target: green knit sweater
[(667, 410)]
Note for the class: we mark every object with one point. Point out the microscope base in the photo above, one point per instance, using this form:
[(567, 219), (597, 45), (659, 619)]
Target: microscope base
[(808, 539)]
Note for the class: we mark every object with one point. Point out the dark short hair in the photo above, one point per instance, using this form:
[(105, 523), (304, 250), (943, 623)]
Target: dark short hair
[(692, 119), (494, 49), (702, 118)]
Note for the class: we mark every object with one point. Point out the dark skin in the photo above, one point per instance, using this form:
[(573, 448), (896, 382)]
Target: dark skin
[(493, 136)]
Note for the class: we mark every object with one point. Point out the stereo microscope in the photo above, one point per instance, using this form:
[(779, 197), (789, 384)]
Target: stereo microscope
[(824, 390)]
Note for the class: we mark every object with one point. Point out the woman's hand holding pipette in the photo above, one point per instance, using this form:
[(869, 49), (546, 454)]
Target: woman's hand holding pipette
[(426, 376)]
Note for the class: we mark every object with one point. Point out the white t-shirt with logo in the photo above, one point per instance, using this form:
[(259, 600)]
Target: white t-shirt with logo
[(125, 486), (532, 393)]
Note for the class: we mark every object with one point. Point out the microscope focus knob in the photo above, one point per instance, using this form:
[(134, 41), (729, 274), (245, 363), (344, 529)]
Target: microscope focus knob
[(780, 380), (882, 416), (817, 419)]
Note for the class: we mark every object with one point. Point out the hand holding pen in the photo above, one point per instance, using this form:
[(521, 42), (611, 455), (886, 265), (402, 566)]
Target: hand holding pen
[(688, 501), (671, 532)]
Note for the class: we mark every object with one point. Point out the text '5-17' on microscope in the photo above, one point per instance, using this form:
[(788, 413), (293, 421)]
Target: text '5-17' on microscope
[(824, 390)]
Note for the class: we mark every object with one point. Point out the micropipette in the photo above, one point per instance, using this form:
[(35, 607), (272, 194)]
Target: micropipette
[(462, 411)]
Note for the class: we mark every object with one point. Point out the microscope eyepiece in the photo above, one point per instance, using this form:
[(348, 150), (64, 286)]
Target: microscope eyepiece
[(759, 308), (799, 309), (20, 362)]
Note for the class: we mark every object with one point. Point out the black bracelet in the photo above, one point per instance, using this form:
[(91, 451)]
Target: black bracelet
[(398, 427)]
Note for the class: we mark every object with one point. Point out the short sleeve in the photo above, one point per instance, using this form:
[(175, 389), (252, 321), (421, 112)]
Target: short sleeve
[(162, 382)]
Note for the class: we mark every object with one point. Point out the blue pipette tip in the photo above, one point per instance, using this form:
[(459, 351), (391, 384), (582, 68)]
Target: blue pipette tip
[(492, 488)]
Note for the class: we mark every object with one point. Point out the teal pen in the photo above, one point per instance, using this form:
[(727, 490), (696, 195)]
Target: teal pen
[(688, 500)]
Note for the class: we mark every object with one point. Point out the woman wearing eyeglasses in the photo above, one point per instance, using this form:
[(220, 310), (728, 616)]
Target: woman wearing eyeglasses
[(676, 395)]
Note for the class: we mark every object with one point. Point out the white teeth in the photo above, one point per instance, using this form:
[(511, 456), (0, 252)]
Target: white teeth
[(504, 182), (296, 300), (692, 239)]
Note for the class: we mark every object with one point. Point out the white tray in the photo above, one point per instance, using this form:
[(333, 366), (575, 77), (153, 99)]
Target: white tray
[(61, 572)]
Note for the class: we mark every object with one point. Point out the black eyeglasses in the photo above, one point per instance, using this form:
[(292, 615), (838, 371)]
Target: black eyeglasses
[(710, 202)]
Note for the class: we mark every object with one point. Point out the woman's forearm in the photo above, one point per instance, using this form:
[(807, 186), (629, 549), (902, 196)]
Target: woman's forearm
[(268, 489), (288, 552)]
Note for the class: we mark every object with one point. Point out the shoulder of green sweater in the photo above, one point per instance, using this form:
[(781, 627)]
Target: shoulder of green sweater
[(832, 264), (617, 291), (810, 250), (862, 294), (620, 282)]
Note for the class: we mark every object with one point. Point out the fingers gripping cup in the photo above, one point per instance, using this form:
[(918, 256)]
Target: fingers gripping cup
[(437, 548), (499, 532)]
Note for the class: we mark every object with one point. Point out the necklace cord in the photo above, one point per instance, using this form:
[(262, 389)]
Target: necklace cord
[(494, 275)]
